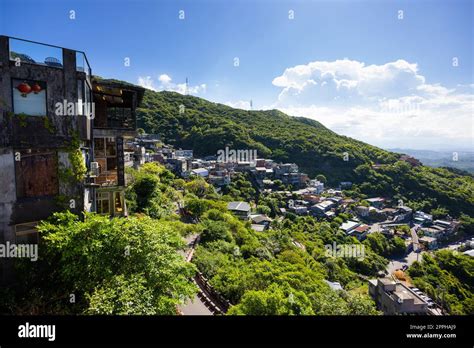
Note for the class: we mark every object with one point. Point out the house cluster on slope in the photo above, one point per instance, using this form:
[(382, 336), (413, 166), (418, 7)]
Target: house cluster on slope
[(308, 197), (149, 148)]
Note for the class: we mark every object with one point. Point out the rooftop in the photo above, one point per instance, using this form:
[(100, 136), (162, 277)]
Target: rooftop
[(239, 206), (38, 53), (349, 225), (404, 293)]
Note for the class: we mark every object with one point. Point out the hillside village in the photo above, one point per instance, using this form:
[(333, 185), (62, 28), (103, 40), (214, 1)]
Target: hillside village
[(84, 163), (308, 197), (302, 196)]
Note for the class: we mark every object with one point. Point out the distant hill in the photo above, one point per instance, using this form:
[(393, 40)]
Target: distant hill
[(207, 127), (464, 160)]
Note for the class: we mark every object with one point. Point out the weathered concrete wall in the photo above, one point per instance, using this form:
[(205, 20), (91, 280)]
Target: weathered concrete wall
[(7, 191), (61, 85), (52, 131), (7, 200)]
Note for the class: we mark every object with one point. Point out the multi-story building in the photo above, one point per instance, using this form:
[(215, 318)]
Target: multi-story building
[(396, 298), (184, 153), (61, 138), (317, 185), (45, 137), (115, 122), (285, 168)]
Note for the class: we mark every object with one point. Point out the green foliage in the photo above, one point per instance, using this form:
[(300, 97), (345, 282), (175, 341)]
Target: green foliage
[(198, 187), (113, 266), (467, 224), (265, 274), (240, 188), (22, 119), (387, 247), (208, 127), (447, 277), (215, 230), (122, 296), (150, 192), (273, 301), (77, 170), (48, 125), (321, 178)]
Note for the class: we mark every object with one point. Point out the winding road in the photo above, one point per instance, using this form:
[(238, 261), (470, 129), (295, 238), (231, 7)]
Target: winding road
[(202, 304)]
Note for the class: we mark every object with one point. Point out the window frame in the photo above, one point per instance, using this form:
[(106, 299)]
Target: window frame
[(12, 79)]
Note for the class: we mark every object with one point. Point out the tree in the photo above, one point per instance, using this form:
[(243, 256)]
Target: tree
[(196, 206), (263, 209), (273, 301), (361, 305), (467, 224), (448, 277), (113, 266), (439, 212), (198, 187), (321, 178), (215, 230)]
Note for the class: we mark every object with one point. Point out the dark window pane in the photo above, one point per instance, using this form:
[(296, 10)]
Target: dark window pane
[(111, 163), (111, 149), (105, 207), (99, 147)]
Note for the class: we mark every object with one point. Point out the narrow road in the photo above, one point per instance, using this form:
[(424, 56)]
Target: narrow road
[(407, 260), (414, 239), (196, 306)]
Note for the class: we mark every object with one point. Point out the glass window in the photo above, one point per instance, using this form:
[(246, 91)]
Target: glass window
[(80, 97), (102, 165), (106, 155), (118, 202), (103, 206), (111, 163), (105, 209), (29, 97), (111, 149), (35, 53), (99, 147)]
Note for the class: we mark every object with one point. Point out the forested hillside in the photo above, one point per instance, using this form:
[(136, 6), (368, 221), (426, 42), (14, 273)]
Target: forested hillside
[(207, 127)]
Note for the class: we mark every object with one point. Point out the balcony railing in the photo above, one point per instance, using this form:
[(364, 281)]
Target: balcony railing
[(33, 52)]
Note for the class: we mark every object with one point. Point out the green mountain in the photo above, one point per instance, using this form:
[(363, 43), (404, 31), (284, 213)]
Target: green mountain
[(207, 127)]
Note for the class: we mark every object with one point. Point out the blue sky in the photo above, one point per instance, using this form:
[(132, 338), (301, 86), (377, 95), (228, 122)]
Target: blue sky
[(354, 45)]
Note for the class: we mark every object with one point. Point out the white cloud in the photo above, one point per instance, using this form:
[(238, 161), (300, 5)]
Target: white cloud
[(164, 78), (389, 105), (165, 83), (146, 82)]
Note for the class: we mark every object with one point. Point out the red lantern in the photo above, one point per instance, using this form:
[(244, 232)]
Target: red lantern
[(36, 88), (24, 89)]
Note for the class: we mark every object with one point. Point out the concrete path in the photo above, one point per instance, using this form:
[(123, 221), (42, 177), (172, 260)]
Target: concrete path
[(195, 306)]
